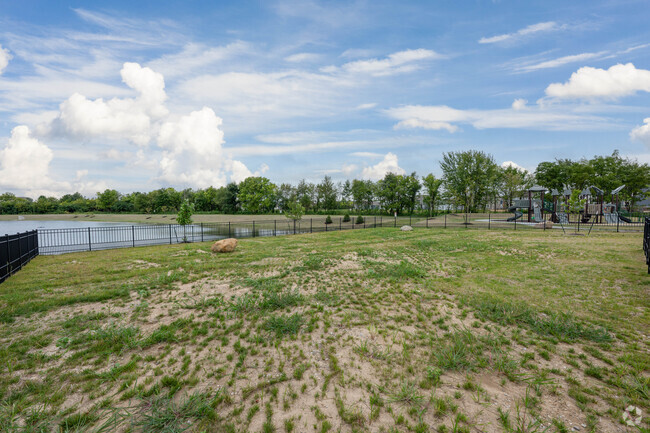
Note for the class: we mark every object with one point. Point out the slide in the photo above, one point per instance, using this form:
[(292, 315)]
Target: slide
[(517, 214), (624, 219)]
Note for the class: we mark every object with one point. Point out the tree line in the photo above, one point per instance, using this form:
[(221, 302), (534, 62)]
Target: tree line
[(471, 180)]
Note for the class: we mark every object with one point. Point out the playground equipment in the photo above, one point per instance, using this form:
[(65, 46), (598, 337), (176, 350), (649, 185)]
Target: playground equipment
[(535, 206)]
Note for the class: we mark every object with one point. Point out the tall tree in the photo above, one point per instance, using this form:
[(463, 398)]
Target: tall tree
[(512, 183), (326, 191), (409, 186), (305, 194), (389, 194), (107, 199), (257, 195), (432, 190), (467, 177)]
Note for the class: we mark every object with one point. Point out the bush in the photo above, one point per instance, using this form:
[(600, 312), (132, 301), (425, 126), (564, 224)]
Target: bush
[(328, 220), (360, 220), (346, 218)]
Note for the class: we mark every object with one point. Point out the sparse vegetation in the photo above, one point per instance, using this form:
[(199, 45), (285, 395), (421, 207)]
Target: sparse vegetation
[(355, 330)]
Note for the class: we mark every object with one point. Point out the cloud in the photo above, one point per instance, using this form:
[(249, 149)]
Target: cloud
[(129, 118), (592, 83), (4, 58), (349, 169), (395, 63), (388, 165), (302, 57), (367, 106), (188, 148), (193, 153), (554, 63), (425, 124), (25, 163), (512, 164), (250, 94), (533, 28), (642, 133), (195, 56), (536, 118), (519, 104)]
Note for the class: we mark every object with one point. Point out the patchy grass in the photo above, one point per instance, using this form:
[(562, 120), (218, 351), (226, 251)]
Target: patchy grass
[(362, 330)]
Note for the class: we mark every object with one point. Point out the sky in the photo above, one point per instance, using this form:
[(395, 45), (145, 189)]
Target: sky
[(137, 96)]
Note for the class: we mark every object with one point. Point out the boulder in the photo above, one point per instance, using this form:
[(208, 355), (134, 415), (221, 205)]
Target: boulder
[(224, 246), (406, 228)]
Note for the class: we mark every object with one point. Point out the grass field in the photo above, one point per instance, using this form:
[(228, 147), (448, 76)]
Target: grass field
[(366, 330)]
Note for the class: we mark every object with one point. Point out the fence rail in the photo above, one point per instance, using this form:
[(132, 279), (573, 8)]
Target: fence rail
[(16, 251), (58, 241)]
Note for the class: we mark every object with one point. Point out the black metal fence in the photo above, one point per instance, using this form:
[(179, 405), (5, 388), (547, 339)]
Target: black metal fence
[(646, 242), (58, 241), (16, 251)]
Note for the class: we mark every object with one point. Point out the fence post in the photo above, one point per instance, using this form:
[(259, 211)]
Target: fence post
[(427, 222), (253, 228), (228, 228), (617, 220), (445, 220), (381, 220), (411, 219), (375, 226), (8, 254), (20, 251), (340, 224), (275, 226), (170, 234), (133, 235), (516, 223), (90, 244), (489, 220), (311, 225), (325, 225), (201, 232)]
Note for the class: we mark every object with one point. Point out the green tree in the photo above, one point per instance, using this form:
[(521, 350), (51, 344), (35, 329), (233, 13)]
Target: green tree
[(388, 193), (326, 194), (468, 177), (184, 216), (432, 190), (257, 195), (305, 194), (286, 195), (107, 199), (512, 183), (408, 189)]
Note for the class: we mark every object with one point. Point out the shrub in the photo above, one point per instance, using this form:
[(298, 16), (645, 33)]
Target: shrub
[(346, 218), (328, 220), (360, 219)]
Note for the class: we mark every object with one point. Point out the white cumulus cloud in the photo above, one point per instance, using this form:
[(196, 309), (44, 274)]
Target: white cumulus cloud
[(4, 58), (533, 28), (388, 165), (642, 133), (591, 83), (117, 118), (519, 104), (512, 164)]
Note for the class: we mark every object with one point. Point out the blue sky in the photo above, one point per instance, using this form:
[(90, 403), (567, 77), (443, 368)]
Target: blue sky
[(142, 95)]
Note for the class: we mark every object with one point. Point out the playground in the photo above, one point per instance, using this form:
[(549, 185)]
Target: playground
[(589, 207)]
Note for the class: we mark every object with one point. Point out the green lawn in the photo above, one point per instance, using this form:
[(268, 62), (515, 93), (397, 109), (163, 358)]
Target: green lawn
[(365, 330)]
